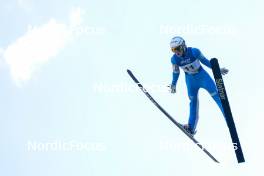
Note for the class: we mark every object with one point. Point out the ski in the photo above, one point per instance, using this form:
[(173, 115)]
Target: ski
[(170, 117), (227, 110)]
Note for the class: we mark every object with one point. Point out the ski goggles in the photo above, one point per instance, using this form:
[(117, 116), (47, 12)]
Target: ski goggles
[(178, 48)]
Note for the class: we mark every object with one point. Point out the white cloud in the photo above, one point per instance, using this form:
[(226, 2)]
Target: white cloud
[(76, 17), (1, 57), (38, 46)]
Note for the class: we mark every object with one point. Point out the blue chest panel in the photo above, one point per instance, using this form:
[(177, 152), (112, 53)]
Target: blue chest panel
[(185, 60), (189, 62)]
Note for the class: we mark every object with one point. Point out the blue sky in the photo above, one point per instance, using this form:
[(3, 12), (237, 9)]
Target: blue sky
[(54, 53)]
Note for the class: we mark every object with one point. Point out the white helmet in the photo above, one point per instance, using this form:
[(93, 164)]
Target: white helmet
[(177, 41), (178, 44)]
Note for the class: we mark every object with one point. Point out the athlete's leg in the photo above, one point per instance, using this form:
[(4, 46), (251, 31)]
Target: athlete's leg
[(194, 101), (208, 84), (216, 98)]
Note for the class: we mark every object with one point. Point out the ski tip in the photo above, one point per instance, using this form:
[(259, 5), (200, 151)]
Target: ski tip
[(128, 71), (213, 60)]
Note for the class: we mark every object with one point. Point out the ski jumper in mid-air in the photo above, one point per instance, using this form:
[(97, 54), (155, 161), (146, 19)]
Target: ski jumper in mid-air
[(189, 60)]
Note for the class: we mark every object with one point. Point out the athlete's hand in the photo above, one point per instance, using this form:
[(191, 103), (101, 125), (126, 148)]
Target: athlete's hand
[(172, 88), (224, 71)]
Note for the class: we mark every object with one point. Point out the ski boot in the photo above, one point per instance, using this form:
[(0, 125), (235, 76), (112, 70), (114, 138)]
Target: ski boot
[(188, 129)]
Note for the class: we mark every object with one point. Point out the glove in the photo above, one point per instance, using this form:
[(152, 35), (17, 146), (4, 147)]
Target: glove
[(224, 71), (172, 88)]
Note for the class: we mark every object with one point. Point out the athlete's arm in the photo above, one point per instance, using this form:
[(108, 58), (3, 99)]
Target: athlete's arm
[(198, 54), (175, 74)]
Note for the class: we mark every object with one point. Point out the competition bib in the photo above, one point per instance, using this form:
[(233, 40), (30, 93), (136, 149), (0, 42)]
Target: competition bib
[(192, 67)]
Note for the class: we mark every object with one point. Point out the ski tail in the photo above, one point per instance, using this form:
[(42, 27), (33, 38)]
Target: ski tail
[(227, 110), (170, 117)]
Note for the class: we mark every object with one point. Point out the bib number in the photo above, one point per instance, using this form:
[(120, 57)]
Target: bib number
[(192, 67)]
